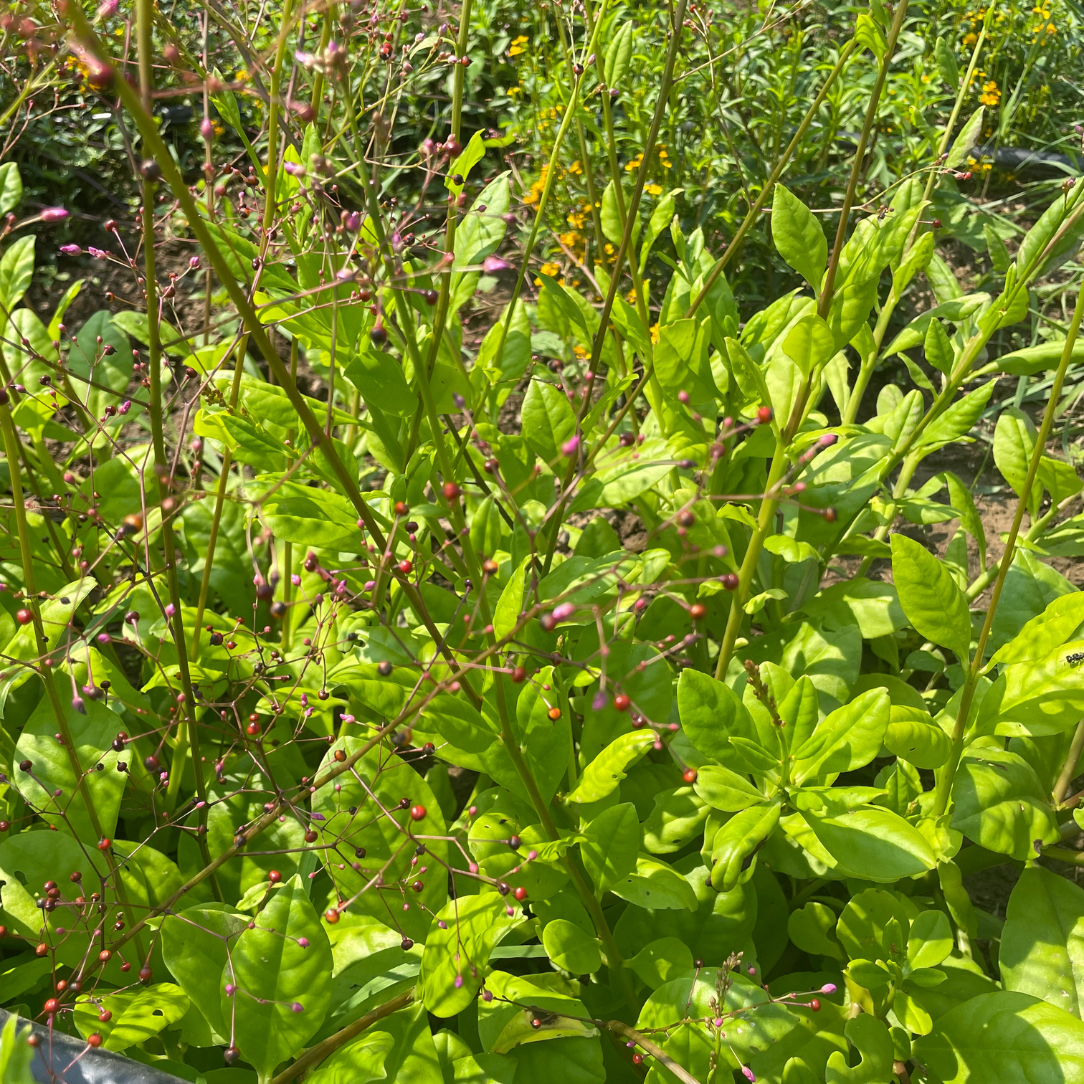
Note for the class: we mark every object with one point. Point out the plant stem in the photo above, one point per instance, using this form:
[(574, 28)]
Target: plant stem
[(947, 774), (316, 1054), (1068, 770)]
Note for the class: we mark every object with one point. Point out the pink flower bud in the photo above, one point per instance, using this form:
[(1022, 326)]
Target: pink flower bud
[(207, 129), (71, 250), (295, 169), (492, 264), (828, 988), (564, 611), (54, 214), (570, 446)]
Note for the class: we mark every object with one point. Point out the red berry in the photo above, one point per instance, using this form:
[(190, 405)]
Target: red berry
[(94, 1039), (406, 566), (105, 1016), (126, 967), (815, 1004), (637, 1059), (698, 611), (331, 915), (686, 518), (417, 812), (252, 729), (401, 508), (51, 1005), (311, 836), (24, 617), (274, 876), (520, 893), (451, 491), (518, 674), (554, 713), (764, 414), (689, 775), (104, 844), (105, 956), (622, 702)]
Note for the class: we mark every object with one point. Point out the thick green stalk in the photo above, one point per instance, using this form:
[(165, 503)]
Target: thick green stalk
[(1068, 769), (947, 774)]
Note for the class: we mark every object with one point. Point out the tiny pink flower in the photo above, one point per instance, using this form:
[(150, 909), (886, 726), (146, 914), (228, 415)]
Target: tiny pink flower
[(54, 214)]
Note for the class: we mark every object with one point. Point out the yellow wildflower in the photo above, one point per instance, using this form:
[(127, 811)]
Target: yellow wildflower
[(517, 45), (550, 269), (580, 351), (653, 189), (990, 94), (576, 167), (970, 38), (634, 165), (571, 239), (654, 333)]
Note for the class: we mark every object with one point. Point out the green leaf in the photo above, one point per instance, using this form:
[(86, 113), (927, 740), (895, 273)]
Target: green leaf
[(16, 1053), (380, 380), (724, 789), (811, 928), (967, 138), (1045, 633), (912, 735), (799, 238), (11, 187), (604, 774), (930, 598), (548, 419), (1014, 440), (53, 788), (738, 840), (1009, 1037), (138, 1015), (1042, 942), (570, 948), (1000, 804), (873, 843), (1034, 359), (612, 847), (958, 420), (656, 886), (195, 945), (474, 927), (16, 271), (946, 62), (618, 56), (273, 972), (809, 343), (938, 348), (846, 739), (464, 162), (871, 1038), (710, 712), (662, 960)]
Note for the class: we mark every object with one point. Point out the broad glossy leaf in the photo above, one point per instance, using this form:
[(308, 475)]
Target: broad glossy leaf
[(846, 739), (656, 886), (195, 946), (929, 596), (912, 735), (798, 236), (738, 840), (677, 818), (1000, 804), (92, 734), (16, 271), (137, 1014), (871, 1038), (662, 960), (548, 419), (273, 973), (570, 948), (1042, 942), (1009, 1037), (11, 187), (873, 843), (724, 789), (1045, 633), (613, 845), (461, 951), (711, 712), (604, 774)]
